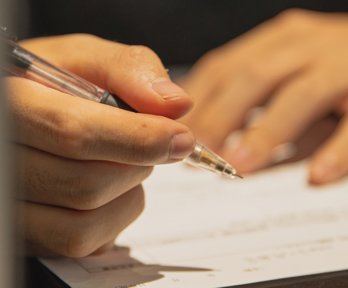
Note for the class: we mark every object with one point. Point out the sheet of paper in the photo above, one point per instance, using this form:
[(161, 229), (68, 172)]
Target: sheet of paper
[(200, 230)]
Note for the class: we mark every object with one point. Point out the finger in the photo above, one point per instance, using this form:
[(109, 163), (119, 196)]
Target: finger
[(331, 161), (84, 185), (134, 73), (105, 248), (75, 128), (342, 107), (206, 77), (75, 233), (264, 38), (294, 108), (245, 75), (248, 87)]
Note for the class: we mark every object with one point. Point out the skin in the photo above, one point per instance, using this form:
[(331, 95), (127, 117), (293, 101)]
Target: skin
[(80, 164), (295, 66)]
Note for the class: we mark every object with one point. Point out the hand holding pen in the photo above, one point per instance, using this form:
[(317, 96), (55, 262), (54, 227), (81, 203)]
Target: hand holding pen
[(81, 163), (21, 62)]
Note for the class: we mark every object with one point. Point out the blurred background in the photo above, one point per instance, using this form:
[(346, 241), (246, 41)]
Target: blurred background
[(179, 31)]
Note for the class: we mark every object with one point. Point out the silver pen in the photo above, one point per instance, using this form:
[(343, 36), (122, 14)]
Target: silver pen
[(20, 62)]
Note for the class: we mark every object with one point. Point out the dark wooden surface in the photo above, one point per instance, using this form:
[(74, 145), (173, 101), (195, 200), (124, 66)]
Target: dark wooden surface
[(39, 276)]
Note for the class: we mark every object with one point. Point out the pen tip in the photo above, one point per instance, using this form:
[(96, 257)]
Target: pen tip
[(230, 172)]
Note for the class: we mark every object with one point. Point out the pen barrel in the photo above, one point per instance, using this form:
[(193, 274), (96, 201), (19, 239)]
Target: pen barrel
[(111, 100), (56, 78), (22, 62)]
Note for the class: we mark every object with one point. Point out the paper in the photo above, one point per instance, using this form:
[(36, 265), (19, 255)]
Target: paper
[(200, 230)]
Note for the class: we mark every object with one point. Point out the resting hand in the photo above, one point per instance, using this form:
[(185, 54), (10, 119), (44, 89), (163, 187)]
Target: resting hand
[(296, 66), (80, 163)]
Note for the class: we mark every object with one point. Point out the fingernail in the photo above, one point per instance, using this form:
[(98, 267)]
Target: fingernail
[(181, 146), (167, 89), (242, 157), (233, 141), (324, 170), (283, 152)]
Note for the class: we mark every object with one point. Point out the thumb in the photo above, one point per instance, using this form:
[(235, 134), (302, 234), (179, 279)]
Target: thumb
[(134, 73)]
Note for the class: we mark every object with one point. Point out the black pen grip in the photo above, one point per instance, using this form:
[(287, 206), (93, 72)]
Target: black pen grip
[(115, 101)]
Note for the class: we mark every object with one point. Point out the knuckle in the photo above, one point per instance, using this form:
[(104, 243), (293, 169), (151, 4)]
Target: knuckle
[(140, 173), (72, 240), (96, 197), (136, 201), (79, 244), (291, 17), (89, 199), (77, 41), (79, 239), (138, 58), (83, 192), (69, 189), (255, 73), (82, 195), (83, 38), (86, 195), (139, 53), (146, 172)]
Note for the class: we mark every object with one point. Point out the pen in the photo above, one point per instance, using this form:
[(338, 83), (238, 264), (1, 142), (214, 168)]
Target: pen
[(20, 62)]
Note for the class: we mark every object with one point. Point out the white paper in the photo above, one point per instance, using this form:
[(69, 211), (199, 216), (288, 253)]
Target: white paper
[(200, 230)]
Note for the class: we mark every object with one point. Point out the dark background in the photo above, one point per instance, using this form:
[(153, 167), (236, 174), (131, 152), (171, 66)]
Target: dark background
[(178, 30)]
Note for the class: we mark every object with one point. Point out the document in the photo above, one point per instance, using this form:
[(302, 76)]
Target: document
[(201, 230)]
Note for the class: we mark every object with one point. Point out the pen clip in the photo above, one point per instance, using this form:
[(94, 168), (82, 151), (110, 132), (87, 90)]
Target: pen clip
[(4, 32)]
